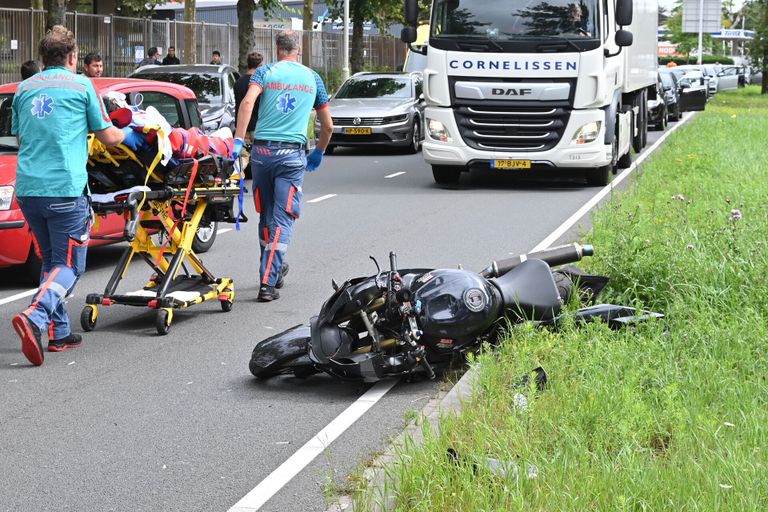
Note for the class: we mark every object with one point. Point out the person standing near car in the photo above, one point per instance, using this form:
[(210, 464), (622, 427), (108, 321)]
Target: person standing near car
[(289, 91), (29, 68), (254, 60), (53, 111), (171, 58), (93, 65), (151, 59), (216, 58)]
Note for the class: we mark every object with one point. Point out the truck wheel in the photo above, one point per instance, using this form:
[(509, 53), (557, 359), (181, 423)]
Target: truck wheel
[(640, 137), (205, 236), (625, 160), (446, 174)]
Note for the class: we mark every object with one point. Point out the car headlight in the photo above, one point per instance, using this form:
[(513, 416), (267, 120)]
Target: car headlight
[(438, 131), (6, 197), (587, 133)]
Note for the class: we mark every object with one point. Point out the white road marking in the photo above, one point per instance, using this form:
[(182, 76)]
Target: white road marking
[(18, 296), (314, 447), (321, 198), (573, 219), (394, 175), (223, 230)]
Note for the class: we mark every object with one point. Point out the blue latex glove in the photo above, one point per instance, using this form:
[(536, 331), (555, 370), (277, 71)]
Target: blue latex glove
[(314, 159), (133, 139), (237, 148)]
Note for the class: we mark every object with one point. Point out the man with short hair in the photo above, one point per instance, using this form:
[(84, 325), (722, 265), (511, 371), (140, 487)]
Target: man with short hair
[(93, 66), (152, 55), (53, 112), (29, 68), (216, 57), (289, 91), (171, 58), (253, 60)]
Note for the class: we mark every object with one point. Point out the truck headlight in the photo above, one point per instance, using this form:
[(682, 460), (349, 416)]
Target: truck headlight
[(438, 131), (587, 133), (6, 198)]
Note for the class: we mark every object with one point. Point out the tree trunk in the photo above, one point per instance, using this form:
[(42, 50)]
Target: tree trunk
[(57, 10), (356, 45), (190, 33), (246, 35), (38, 5), (307, 22)]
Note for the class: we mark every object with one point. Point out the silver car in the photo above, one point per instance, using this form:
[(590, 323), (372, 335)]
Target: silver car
[(379, 109)]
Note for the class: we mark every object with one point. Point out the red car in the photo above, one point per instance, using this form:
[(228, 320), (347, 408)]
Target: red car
[(178, 105)]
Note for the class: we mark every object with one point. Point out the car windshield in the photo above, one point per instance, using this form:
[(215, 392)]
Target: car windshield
[(7, 141), (375, 87), (207, 87), (518, 19)]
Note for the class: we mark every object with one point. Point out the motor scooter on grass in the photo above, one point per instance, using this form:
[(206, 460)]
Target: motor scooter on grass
[(408, 322)]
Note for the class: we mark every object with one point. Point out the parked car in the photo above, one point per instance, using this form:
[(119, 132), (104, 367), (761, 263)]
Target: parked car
[(657, 108), (214, 87), (728, 79), (179, 107), (379, 109), (693, 91), (671, 93)]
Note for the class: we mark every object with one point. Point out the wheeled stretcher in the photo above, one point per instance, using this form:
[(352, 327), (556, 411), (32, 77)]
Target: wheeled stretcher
[(163, 206)]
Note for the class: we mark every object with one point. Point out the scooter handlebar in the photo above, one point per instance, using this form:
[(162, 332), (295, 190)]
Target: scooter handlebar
[(554, 256)]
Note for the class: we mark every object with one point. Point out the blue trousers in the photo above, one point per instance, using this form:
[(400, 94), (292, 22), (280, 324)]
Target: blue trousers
[(60, 229), (277, 177)]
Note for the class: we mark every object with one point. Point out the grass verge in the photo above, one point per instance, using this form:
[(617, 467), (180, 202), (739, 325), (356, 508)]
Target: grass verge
[(669, 416)]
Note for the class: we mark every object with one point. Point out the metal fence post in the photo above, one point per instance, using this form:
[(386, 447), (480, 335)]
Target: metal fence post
[(202, 41), (31, 34), (74, 29), (229, 47)]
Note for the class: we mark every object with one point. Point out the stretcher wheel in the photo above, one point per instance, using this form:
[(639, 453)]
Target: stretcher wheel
[(226, 305), (163, 322), (88, 318)]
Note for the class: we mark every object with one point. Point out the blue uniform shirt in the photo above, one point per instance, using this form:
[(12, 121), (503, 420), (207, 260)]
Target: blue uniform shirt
[(53, 111), (289, 93)]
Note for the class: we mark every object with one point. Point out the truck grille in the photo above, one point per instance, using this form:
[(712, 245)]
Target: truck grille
[(512, 128)]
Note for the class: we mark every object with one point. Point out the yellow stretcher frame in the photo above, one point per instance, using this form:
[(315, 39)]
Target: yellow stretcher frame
[(152, 211)]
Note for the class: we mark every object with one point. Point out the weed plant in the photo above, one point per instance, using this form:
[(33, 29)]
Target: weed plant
[(669, 416)]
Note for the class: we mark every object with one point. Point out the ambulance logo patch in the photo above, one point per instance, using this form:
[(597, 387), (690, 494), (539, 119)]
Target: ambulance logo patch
[(42, 106), (286, 103)]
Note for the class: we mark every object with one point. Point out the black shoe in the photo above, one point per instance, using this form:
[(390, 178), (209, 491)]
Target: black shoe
[(283, 272), (30, 338), (267, 294), (71, 341)]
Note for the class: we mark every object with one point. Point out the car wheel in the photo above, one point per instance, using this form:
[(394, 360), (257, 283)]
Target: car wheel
[(415, 144), (663, 123), (205, 236), (446, 174)]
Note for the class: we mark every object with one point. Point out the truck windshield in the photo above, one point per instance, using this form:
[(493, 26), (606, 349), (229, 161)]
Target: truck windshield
[(515, 20)]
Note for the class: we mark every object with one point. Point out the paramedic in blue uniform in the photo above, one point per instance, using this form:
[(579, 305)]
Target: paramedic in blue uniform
[(53, 111), (289, 91)]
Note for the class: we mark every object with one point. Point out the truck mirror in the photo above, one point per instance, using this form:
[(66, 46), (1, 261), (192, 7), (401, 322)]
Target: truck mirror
[(408, 35), (412, 13), (623, 38), (623, 12)]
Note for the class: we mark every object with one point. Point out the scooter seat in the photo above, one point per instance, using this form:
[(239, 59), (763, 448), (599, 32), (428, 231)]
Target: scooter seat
[(529, 291)]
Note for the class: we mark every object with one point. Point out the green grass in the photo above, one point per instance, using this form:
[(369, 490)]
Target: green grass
[(672, 415)]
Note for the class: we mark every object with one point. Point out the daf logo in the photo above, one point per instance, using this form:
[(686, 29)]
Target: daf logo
[(510, 92), (356, 121)]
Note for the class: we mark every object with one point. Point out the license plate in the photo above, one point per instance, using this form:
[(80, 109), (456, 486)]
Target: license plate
[(511, 164), (356, 131)]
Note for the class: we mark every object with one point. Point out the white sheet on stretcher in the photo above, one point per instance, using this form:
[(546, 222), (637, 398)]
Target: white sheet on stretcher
[(110, 198), (183, 296)]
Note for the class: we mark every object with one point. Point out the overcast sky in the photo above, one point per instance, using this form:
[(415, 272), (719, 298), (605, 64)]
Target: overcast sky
[(668, 4)]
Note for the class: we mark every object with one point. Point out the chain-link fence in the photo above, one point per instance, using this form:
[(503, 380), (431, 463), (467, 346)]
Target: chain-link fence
[(122, 42)]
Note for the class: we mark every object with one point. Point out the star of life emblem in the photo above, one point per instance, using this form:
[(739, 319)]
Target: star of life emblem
[(42, 106)]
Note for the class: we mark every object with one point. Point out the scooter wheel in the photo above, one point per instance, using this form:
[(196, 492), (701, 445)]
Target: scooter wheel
[(163, 322), (88, 318)]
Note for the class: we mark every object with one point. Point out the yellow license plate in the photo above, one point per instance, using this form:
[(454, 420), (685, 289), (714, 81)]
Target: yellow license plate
[(511, 164), (356, 131)]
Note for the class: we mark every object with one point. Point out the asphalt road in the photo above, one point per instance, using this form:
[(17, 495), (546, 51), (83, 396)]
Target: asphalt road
[(135, 421)]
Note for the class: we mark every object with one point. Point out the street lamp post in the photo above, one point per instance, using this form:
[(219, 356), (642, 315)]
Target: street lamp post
[(345, 45)]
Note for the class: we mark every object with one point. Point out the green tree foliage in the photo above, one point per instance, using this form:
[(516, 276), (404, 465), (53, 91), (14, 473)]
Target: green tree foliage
[(136, 8), (381, 13), (756, 14)]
